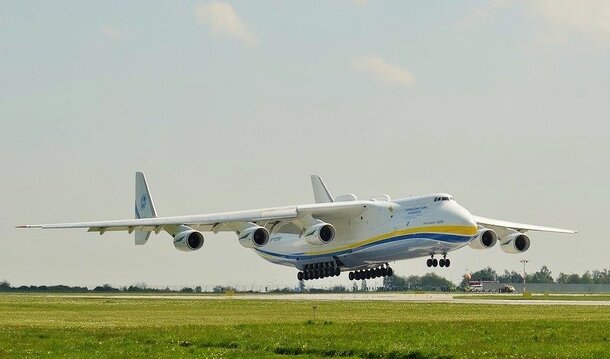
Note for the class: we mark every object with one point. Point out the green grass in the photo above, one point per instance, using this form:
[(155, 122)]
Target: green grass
[(38, 326), (535, 297)]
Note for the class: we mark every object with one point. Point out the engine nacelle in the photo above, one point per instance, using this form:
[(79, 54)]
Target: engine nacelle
[(515, 243), (253, 237), (485, 238), (321, 233), (188, 241)]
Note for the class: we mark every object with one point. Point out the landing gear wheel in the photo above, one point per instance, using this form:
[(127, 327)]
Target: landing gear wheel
[(337, 272), (384, 271), (447, 262), (429, 262), (306, 275), (390, 271), (434, 262), (351, 275), (300, 276), (441, 262)]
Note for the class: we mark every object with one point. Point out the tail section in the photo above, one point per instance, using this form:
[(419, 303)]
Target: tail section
[(320, 192), (144, 207)]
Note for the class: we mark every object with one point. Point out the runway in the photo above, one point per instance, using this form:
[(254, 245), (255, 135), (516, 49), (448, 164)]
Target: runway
[(391, 297)]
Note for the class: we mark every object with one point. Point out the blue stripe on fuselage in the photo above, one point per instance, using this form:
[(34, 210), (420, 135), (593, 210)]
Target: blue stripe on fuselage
[(449, 238)]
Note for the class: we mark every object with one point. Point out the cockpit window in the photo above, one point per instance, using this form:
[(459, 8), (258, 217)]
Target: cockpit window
[(445, 198)]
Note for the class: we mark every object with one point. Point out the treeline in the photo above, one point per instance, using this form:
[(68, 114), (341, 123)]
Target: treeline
[(544, 275), (106, 288), (427, 282)]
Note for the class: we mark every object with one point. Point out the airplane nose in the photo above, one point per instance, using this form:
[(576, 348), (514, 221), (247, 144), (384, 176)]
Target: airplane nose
[(462, 217)]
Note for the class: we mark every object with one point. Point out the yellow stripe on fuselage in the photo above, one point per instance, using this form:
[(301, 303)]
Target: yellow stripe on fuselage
[(455, 230)]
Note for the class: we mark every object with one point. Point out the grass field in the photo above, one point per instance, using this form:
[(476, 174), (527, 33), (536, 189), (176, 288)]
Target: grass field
[(37, 326), (536, 297)]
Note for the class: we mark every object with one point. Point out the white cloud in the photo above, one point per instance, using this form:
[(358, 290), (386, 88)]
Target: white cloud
[(383, 71), (223, 21), (591, 17), (110, 32), (560, 18)]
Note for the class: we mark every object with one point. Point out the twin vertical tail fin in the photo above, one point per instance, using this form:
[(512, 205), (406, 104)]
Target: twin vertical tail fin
[(144, 207)]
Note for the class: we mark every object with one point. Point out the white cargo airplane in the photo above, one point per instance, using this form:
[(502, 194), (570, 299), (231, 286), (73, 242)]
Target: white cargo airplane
[(334, 234)]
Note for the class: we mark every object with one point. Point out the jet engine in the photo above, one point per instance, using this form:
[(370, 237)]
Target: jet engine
[(253, 237), (188, 240), (321, 233), (515, 243), (485, 238)]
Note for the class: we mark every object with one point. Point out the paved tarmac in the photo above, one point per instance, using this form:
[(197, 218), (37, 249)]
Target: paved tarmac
[(393, 297)]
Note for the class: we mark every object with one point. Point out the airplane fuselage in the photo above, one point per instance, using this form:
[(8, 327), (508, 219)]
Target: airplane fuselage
[(399, 229)]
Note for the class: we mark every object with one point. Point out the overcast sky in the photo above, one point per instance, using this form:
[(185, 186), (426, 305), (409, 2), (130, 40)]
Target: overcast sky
[(231, 105)]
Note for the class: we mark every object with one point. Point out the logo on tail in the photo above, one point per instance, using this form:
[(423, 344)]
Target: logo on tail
[(143, 201)]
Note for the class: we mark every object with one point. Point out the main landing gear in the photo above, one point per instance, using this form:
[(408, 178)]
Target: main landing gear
[(319, 270), (443, 262), (382, 271)]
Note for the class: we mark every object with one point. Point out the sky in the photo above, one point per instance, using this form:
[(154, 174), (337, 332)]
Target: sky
[(232, 105)]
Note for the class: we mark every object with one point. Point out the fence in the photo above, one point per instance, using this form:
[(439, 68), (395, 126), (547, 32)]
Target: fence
[(550, 287)]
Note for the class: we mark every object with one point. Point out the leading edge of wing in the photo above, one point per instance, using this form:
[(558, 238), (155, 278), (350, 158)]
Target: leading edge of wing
[(348, 209), (524, 226), (237, 216)]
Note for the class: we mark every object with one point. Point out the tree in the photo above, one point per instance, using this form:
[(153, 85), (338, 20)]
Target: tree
[(301, 286), (363, 286), (105, 288), (574, 278), (487, 275), (394, 283), (544, 275), (4, 285), (563, 278), (510, 277), (586, 278), (429, 281), (601, 276)]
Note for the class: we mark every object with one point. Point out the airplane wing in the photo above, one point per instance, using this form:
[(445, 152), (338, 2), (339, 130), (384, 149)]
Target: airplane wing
[(502, 226), (225, 221)]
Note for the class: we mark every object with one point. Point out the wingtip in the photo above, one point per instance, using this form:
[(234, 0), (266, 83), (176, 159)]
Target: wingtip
[(29, 226)]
